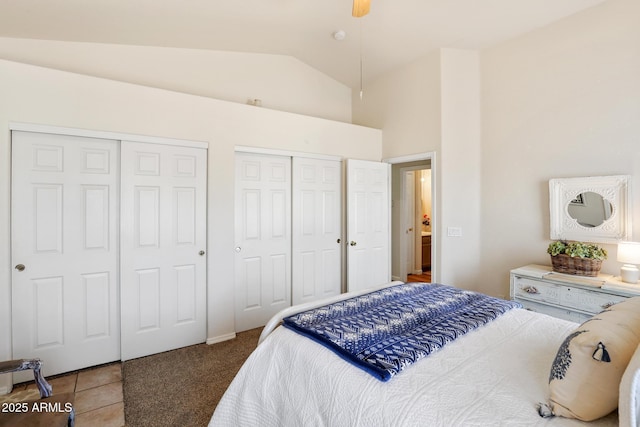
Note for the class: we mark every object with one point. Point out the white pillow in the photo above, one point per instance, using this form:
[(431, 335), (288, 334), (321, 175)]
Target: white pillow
[(629, 400)]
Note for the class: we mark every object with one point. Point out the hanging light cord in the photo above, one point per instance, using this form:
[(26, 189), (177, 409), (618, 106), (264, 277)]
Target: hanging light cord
[(361, 91)]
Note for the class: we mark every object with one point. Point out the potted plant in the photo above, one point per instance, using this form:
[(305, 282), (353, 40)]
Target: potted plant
[(580, 258)]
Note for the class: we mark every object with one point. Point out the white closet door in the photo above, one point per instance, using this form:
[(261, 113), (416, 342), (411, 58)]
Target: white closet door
[(64, 251), (368, 224), (316, 248), (263, 238), (163, 263)]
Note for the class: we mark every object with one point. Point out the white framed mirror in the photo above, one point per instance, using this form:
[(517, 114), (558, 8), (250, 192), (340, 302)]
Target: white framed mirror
[(592, 209)]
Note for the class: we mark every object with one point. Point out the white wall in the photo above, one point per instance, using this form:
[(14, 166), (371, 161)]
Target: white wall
[(460, 196), (282, 82), (405, 104), (433, 105), (43, 96), (562, 101)]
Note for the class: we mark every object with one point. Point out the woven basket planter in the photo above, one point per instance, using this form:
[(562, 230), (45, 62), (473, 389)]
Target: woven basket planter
[(575, 265)]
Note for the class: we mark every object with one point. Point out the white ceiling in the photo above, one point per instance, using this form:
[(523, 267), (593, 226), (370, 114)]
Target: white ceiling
[(395, 32)]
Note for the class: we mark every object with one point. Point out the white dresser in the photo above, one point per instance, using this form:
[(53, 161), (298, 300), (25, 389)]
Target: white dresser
[(566, 296)]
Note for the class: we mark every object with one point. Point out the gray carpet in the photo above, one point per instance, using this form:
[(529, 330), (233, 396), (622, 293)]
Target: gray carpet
[(182, 387)]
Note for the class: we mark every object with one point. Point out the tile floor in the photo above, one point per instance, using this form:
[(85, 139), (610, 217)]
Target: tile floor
[(98, 394)]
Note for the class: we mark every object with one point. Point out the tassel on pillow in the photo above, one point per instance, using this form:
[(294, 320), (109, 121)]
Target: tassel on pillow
[(601, 354), (545, 411)]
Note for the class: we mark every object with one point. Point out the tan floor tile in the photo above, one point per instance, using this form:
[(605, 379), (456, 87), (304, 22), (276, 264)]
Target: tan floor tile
[(108, 416), (19, 387), (100, 376), (66, 384), (98, 397), (63, 384), (20, 396)]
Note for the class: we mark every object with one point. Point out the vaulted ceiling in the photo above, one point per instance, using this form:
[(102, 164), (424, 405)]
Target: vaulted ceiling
[(394, 33)]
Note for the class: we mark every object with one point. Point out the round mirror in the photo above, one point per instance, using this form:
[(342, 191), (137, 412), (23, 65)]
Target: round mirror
[(590, 209)]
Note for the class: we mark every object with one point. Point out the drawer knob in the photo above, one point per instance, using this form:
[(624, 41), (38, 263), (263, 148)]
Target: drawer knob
[(607, 305), (531, 290)]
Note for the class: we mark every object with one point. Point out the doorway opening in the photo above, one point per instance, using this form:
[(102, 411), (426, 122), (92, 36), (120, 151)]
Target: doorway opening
[(418, 213), (413, 254)]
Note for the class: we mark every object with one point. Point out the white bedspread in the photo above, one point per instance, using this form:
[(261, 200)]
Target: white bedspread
[(493, 376)]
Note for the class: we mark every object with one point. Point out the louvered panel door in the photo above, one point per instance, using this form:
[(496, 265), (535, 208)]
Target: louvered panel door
[(263, 238), (163, 243), (64, 232), (316, 229)]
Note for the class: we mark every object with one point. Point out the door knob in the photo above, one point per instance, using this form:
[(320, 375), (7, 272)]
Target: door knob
[(338, 241), (201, 253), (238, 248), (353, 243), (20, 267)]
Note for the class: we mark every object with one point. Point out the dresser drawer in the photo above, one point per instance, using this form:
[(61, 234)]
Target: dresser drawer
[(535, 290), (560, 313), (590, 301)]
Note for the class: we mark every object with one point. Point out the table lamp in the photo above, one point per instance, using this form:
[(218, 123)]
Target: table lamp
[(629, 254)]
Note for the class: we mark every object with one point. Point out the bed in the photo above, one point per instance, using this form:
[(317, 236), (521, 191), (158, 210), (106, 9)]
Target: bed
[(494, 375)]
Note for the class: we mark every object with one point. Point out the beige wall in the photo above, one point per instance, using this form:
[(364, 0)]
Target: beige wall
[(405, 104), (433, 105), (49, 97), (281, 82), (459, 200), (563, 101)]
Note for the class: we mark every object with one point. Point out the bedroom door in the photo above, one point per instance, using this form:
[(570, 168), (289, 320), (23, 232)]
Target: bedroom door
[(368, 224), (263, 237), (317, 228), (64, 249), (163, 241)]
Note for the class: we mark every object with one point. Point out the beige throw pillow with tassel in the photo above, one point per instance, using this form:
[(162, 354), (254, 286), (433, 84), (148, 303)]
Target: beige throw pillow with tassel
[(585, 375)]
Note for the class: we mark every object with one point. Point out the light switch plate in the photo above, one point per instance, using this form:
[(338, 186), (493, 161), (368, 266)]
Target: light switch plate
[(454, 231)]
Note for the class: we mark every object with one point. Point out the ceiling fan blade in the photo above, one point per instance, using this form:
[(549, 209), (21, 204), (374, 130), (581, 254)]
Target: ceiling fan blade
[(360, 8)]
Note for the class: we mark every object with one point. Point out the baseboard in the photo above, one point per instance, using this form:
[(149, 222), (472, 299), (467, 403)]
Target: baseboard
[(418, 272), (394, 278), (221, 338), (5, 390)]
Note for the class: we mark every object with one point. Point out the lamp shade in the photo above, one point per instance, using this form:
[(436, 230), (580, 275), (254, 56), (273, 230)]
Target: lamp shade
[(629, 252)]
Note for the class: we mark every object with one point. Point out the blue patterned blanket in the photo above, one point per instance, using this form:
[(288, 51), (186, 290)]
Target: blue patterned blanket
[(386, 331)]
